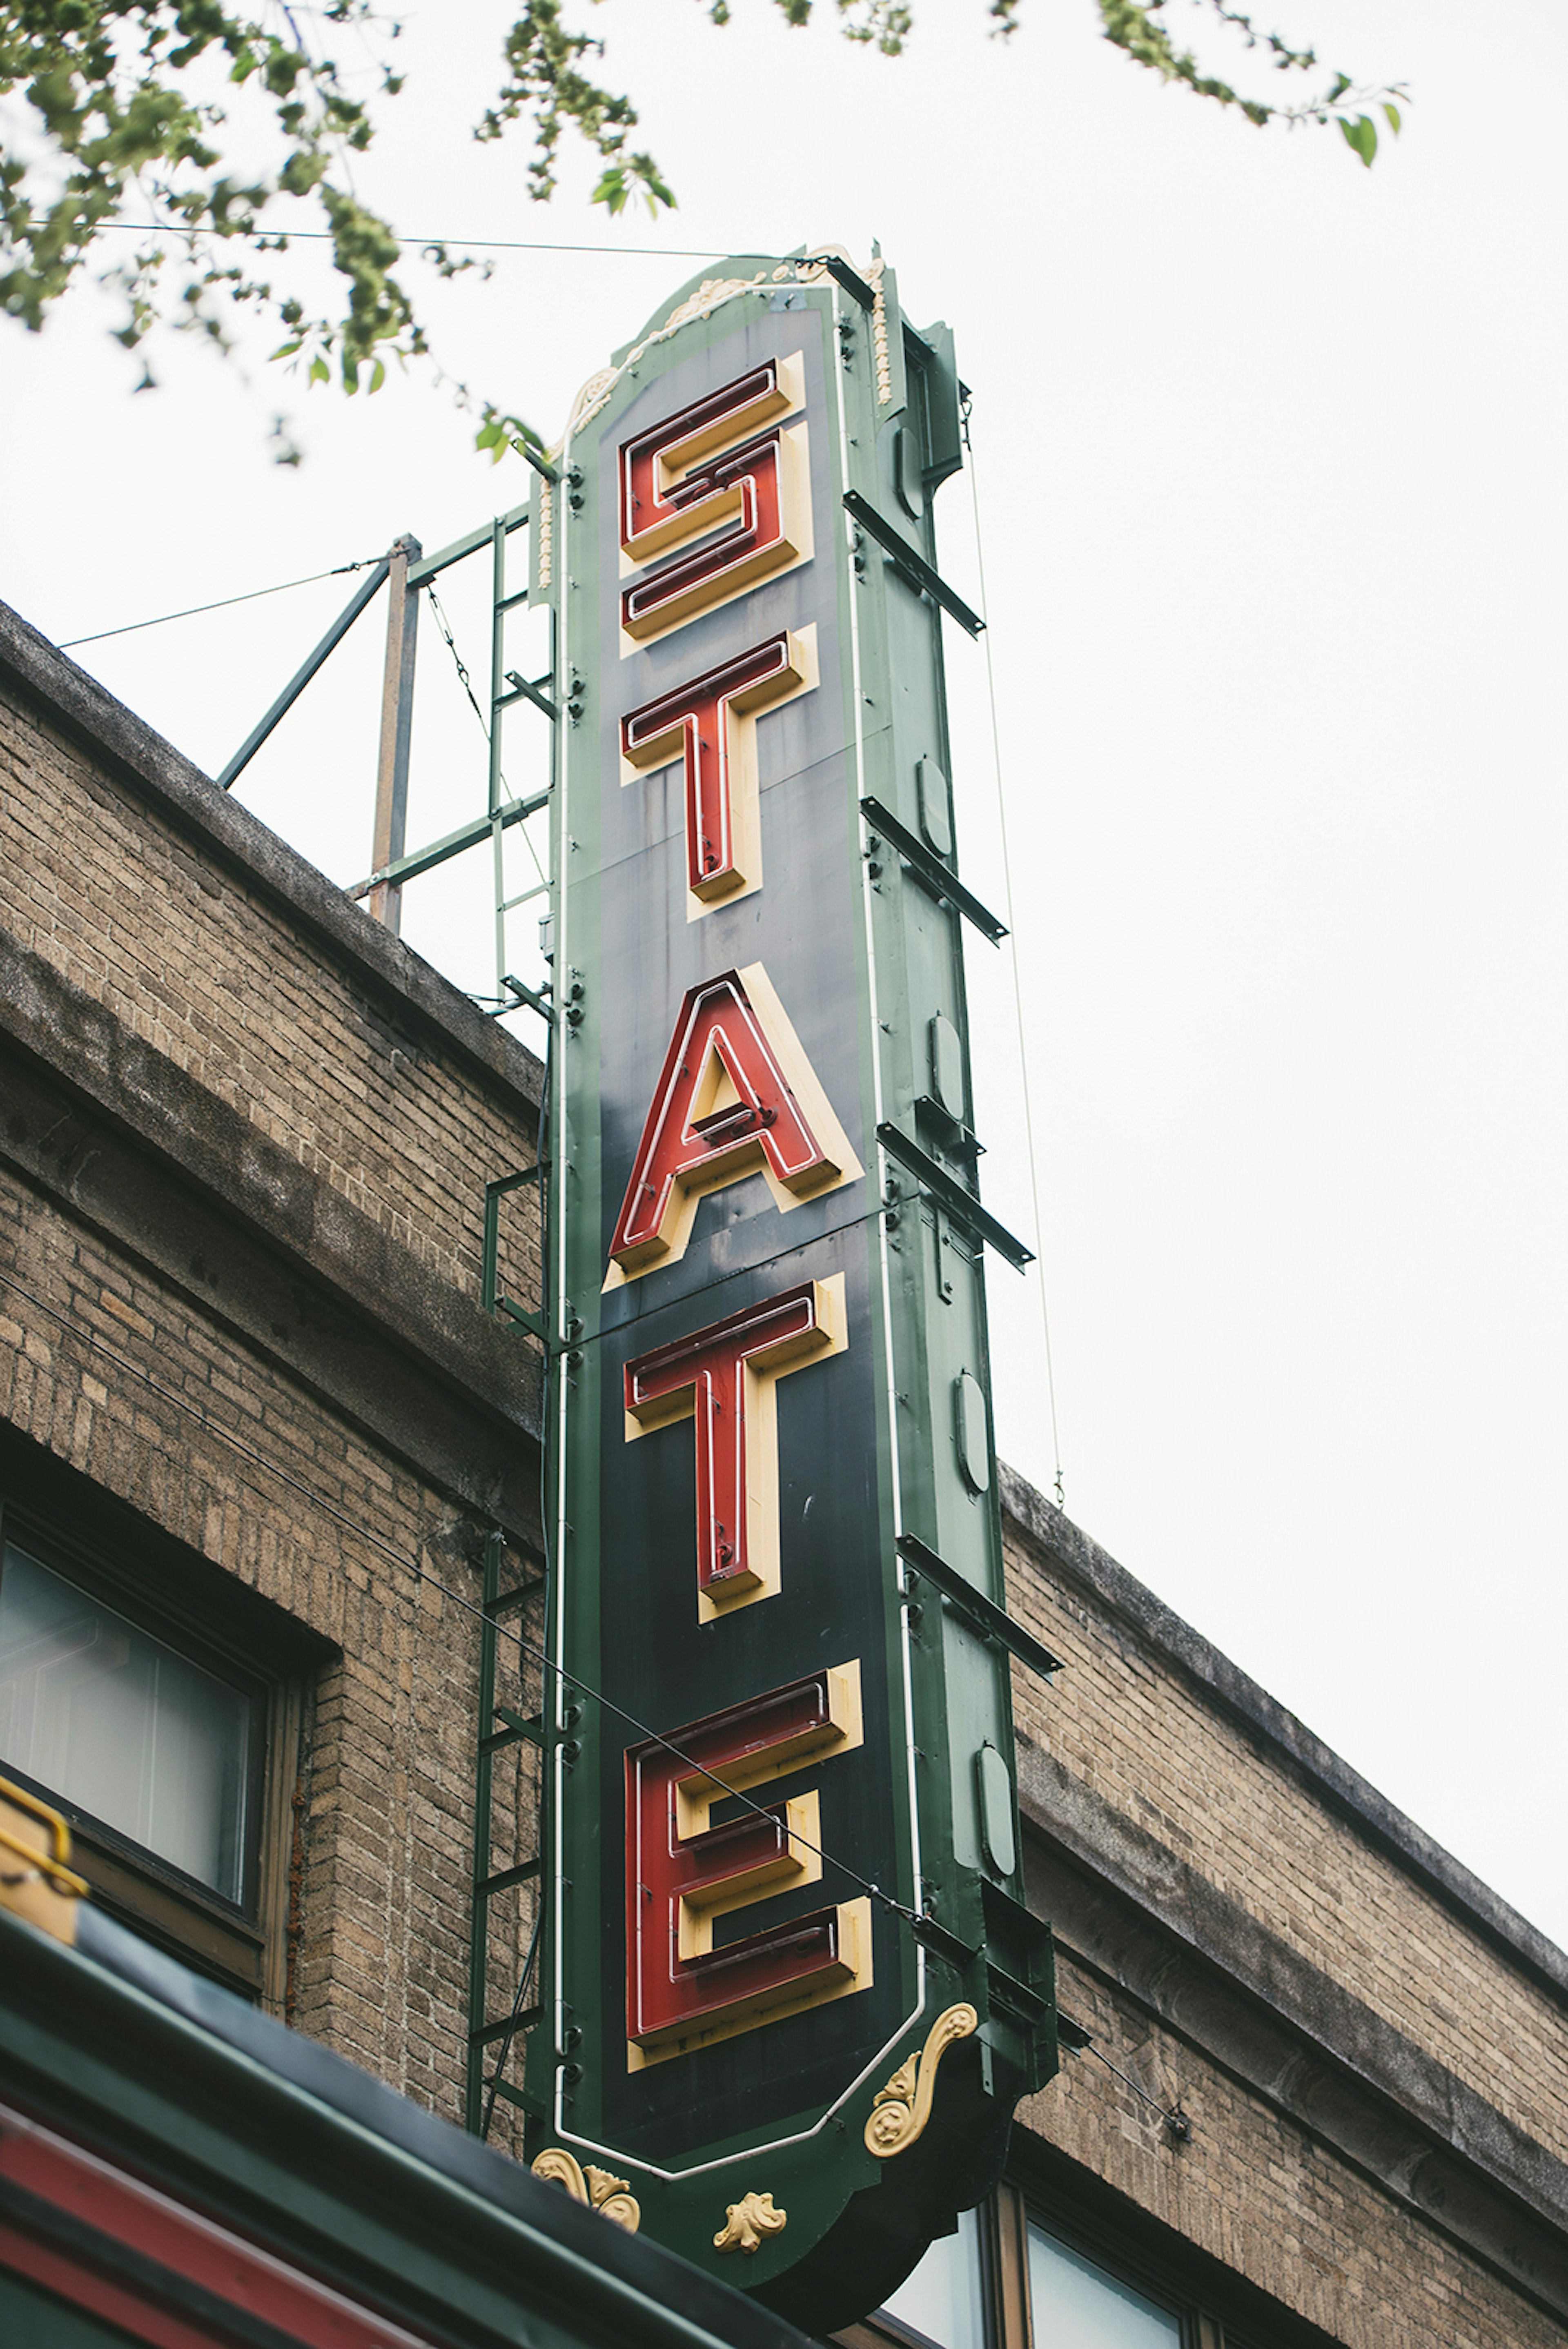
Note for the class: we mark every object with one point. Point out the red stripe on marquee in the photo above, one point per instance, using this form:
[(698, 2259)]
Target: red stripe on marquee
[(122, 2210)]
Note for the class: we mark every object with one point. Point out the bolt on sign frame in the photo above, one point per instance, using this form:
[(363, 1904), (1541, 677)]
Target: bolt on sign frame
[(791, 1993)]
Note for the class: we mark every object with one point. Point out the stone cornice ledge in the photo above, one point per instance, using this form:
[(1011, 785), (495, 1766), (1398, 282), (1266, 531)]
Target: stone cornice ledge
[(248, 1202), (1147, 1922), (228, 831), (1084, 1562)]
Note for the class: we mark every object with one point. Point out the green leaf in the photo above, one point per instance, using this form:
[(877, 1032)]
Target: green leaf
[(1362, 136), (377, 375), (1393, 114), (319, 371)]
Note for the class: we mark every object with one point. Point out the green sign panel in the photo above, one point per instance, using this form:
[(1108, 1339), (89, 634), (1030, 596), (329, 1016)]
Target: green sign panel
[(791, 1994)]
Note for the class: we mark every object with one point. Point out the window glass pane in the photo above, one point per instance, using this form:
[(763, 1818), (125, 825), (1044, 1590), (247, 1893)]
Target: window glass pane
[(1076, 2305), (944, 2298), (117, 1722)]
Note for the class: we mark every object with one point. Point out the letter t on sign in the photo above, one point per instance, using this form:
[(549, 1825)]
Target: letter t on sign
[(724, 1376), (711, 725)]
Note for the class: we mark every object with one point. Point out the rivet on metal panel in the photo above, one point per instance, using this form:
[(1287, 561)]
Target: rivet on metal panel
[(942, 1238)]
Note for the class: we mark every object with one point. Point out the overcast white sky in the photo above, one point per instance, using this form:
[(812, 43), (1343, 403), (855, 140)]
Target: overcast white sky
[(1272, 490)]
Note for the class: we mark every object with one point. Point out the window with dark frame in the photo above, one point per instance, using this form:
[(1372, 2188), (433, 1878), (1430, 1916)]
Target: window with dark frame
[(943, 2303), (147, 1721), (1016, 2275), (1076, 2303), (127, 1729)]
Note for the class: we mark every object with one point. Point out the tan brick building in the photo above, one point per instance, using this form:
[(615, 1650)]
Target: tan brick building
[(254, 1411), (262, 1445)]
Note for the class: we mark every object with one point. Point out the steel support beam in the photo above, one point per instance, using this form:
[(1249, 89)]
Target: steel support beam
[(303, 674), (952, 1198), (931, 870), (385, 901), (467, 835), (429, 566), (915, 570)]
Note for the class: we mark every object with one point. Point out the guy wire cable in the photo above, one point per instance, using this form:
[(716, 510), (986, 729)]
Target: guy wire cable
[(480, 244), (1017, 983), (88, 1337), (254, 594)]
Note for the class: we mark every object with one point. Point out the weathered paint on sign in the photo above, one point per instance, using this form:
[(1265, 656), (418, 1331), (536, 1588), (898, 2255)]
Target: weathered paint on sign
[(782, 1857)]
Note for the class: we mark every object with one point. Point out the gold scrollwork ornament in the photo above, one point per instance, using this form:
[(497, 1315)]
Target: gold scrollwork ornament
[(904, 2106), (747, 2222), (596, 2188)]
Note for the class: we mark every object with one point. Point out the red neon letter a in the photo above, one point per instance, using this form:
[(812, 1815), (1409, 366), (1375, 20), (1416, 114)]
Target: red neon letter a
[(735, 1093)]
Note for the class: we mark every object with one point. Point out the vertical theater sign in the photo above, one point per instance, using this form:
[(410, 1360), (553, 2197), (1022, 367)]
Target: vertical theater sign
[(792, 1992)]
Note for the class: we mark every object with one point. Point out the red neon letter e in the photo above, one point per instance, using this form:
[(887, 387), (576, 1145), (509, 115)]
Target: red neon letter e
[(681, 1873)]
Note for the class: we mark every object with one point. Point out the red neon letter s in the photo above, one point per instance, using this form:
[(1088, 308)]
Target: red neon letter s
[(735, 1092), (681, 1873), (686, 479), (711, 724), (725, 1377)]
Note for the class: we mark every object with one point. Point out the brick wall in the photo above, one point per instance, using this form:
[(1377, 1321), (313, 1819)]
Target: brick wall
[(1372, 2049), (196, 955), (332, 1423), (1138, 1730), (1371, 2053), (1261, 2193)]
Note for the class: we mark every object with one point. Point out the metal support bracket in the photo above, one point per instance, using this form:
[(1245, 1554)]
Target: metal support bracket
[(467, 835), (506, 1877), (537, 998), (991, 1621), (228, 775), (515, 1727), (483, 2084), (490, 1296), (961, 1205), (429, 566), (841, 273), (916, 572), (931, 872), (495, 1193), (507, 2030), (521, 690), (504, 2088)]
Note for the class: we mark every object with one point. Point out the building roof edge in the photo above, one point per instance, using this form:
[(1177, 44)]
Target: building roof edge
[(166, 776), (1082, 1558)]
